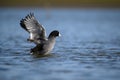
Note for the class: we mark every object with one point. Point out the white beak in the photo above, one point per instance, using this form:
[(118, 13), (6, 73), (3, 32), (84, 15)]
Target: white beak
[(59, 35)]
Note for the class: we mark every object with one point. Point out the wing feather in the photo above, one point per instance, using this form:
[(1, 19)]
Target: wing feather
[(31, 25)]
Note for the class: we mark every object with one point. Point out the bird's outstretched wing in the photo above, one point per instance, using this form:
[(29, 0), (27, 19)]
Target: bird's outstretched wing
[(31, 25)]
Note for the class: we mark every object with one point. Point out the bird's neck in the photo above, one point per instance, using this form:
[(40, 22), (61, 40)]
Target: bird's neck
[(51, 42), (52, 39)]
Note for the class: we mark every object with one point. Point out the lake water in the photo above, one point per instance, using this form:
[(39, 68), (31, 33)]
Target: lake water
[(89, 48)]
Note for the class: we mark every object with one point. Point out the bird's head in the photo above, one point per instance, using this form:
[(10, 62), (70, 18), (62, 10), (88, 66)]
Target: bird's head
[(55, 33)]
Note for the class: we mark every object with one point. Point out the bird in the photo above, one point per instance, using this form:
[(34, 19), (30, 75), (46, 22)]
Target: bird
[(37, 35)]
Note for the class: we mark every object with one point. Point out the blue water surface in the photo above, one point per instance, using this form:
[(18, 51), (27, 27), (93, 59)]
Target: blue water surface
[(89, 48)]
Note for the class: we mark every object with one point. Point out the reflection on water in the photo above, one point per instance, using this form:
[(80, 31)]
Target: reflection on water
[(89, 48)]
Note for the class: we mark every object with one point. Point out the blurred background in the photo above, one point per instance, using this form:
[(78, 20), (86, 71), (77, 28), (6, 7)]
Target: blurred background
[(60, 3), (89, 48)]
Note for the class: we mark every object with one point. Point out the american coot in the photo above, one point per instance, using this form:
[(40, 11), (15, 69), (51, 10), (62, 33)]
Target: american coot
[(38, 35)]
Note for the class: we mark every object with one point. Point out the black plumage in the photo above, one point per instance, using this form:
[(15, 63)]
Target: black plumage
[(38, 35)]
